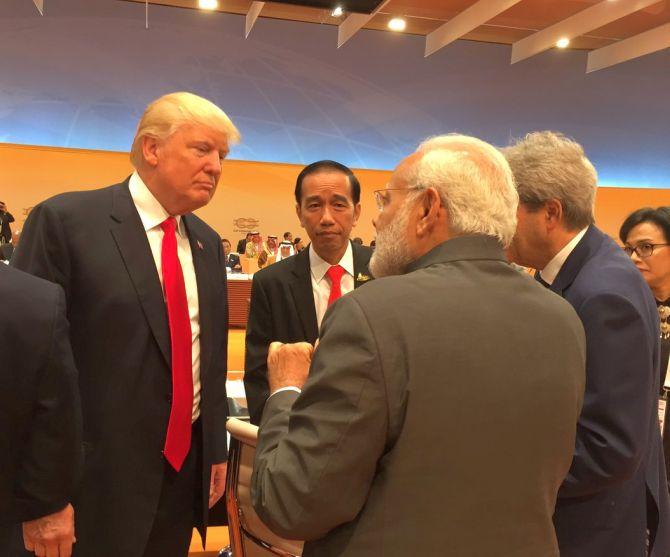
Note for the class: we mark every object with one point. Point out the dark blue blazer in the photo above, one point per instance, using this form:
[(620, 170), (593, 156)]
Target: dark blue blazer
[(616, 488), (40, 413)]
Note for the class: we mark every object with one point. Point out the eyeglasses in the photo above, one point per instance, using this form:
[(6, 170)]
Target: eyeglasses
[(642, 250), (382, 199)]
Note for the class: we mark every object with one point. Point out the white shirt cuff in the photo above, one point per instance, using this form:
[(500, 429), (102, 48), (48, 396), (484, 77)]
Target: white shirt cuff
[(296, 389)]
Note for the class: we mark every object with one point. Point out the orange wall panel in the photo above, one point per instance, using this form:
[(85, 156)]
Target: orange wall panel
[(250, 190), (613, 205)]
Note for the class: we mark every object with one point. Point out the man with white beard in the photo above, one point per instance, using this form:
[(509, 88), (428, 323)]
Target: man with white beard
[(430, 417)]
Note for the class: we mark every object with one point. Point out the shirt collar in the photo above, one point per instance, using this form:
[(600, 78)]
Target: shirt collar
[(151, 212), (550, 272), (319, 267)]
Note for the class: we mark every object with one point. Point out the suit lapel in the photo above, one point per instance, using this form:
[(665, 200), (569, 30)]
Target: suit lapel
[(303, 298), (361, 265), (575, 261), (203, 280), (131, 239)]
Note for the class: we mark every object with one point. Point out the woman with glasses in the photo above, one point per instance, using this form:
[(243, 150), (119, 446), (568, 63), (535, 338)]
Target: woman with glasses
[(646, 237)]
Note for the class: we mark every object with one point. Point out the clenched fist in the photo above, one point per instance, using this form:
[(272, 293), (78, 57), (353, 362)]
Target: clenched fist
[(288, 364)]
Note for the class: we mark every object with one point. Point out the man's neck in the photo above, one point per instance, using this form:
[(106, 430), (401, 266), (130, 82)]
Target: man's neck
[(149, 183), (421, 246), (332, 258), (557, 242)]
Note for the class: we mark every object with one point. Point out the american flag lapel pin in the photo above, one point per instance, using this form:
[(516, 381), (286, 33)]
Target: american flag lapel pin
[(199, 244)]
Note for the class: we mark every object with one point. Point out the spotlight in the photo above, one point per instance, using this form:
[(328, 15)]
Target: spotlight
[(208, 4), (397, 24), (337, 12), (563, 43)]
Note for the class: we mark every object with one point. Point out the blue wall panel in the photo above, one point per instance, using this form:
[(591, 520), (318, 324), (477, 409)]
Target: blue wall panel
[(81, 75)]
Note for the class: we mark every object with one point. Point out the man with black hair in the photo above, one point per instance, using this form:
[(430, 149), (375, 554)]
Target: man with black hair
[(289, 298), (5, 218), (6, 246), (232, 260), (242, 244)]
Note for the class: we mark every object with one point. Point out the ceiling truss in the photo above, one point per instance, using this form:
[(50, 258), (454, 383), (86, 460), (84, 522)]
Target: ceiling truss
[(596, 16), (614, 31)]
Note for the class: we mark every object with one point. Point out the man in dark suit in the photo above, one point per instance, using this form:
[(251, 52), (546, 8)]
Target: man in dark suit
[(242, 244), (433, 421), (231, 260), (40, 418), (616, 492), (290, 297), (5, 218), (146, 294)]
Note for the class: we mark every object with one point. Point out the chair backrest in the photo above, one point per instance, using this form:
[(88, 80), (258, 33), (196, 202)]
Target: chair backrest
[(249, 536), (6, 251)]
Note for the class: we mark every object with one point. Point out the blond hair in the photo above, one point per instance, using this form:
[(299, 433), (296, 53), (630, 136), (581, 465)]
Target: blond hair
[(168, 113)]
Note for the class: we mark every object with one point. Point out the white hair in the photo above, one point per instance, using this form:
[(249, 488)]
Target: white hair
[(392, 252), (547, 165), (475, 184), (167, 114)]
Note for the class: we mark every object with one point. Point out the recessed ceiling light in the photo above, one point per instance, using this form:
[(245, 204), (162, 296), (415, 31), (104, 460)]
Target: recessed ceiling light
[(397, 24), (208, 4), (563, 43), (337, 12)]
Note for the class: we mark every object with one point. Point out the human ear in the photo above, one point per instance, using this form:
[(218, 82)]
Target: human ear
[(150, 148), (553, 213), (429, 207)]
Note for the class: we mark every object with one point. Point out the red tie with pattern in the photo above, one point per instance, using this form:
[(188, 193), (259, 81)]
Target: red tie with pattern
[(178, 439), (335, 275)]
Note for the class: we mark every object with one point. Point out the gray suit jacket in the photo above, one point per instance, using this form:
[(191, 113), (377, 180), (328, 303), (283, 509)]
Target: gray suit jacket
[(439, 416)]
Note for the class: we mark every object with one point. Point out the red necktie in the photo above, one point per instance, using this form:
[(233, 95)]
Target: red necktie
[(178, 439), (335, 275)]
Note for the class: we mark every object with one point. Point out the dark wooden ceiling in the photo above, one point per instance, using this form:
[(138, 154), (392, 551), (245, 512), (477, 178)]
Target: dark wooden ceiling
[(424, 16)]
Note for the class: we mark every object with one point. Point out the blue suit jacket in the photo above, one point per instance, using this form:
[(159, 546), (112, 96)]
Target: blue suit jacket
[(616, 488)]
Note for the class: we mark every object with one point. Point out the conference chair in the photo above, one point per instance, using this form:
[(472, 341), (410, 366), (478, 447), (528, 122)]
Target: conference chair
[(6, 251), (249, 537)]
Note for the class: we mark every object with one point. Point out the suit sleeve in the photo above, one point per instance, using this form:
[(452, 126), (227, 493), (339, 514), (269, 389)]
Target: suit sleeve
[(258, 339), (43, 250), (10, 217), (50, 468), (613, 428), (317, 452), (217, 385)]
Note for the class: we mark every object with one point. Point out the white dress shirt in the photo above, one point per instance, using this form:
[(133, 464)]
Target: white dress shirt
[(321, 283), (550, 272), (152, 215)]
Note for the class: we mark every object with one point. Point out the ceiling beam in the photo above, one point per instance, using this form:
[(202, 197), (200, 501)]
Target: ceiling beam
[(587, 20), (466, 21), (354, 23), (633, 47), (252, 16), (39, 4)]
